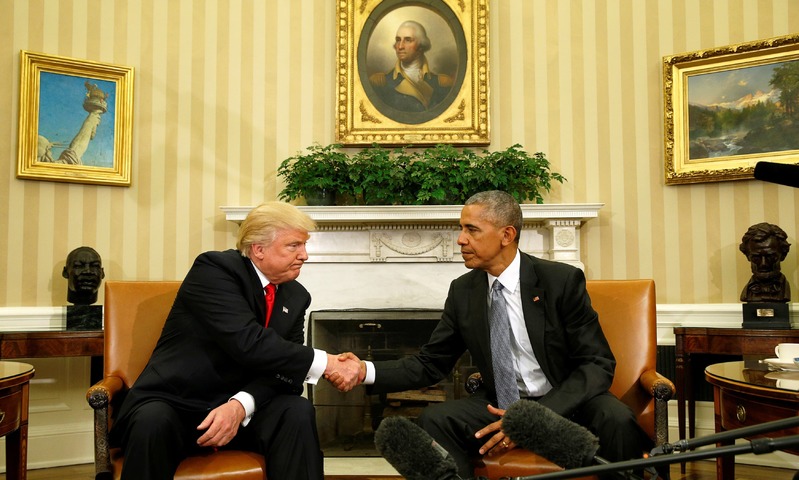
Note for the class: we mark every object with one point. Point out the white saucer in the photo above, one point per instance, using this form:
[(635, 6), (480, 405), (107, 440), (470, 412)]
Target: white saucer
[(785, 365)]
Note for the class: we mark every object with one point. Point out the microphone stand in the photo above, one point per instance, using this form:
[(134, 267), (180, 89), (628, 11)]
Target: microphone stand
[(691, 443), (661, 455), (757, 446)]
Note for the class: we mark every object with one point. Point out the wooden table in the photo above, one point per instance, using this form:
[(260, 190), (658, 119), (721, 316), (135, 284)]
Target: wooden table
[(722, 341), (746, 394), (59, 343), (14, 395)]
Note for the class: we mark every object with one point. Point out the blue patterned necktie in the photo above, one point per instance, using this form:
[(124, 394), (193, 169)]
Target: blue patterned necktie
[(501, 354)]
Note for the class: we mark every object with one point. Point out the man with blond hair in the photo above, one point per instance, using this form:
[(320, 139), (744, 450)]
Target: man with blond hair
[(228, 369)]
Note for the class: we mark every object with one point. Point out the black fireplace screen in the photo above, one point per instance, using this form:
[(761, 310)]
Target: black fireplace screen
[(347, 421)]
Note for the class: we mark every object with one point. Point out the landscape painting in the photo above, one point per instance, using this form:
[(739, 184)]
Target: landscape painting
[(744, 111), (728, 108)]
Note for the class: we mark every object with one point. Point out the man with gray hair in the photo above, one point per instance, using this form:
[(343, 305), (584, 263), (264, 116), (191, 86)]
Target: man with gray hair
[(411, 86), (533, 335), (229, 367)]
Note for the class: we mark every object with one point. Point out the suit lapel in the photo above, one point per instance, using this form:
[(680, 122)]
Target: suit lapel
[(534, 307), (280, 311), (258, 294), (478, 311)]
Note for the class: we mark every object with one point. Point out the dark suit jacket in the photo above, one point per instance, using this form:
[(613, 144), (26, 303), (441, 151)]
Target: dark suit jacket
[(563, 328), (214, 345)]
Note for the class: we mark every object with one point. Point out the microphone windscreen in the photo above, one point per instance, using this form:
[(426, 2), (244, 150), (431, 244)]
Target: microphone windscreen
[(781, 173), (542, 431), (412, 451)]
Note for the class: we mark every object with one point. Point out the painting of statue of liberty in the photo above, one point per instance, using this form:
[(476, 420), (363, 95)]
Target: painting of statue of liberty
[(76, 120)]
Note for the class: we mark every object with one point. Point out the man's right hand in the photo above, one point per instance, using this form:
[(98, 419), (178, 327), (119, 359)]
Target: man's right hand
[(344, 371)]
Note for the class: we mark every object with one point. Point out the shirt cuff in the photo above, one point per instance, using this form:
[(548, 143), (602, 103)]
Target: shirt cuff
[(370, 373), (248, 402), (317, 367)]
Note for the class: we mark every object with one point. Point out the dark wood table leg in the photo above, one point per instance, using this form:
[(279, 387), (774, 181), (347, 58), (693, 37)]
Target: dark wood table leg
[(725, 465), (682, 374), (17, 453), (689, 398)]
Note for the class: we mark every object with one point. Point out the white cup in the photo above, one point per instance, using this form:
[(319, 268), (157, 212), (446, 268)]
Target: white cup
[(787, 351)]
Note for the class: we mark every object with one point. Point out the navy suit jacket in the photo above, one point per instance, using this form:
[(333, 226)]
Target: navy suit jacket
[(563, 328), (214, 344)]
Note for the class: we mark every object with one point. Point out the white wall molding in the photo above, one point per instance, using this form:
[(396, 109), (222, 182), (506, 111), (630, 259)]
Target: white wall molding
[(428, 233), (712, 315)]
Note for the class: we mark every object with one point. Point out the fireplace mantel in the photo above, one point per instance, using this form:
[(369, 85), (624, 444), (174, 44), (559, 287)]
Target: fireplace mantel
[(422, 233)]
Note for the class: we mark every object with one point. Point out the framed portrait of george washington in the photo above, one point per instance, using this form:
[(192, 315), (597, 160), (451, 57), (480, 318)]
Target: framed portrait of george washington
[(412, 72)]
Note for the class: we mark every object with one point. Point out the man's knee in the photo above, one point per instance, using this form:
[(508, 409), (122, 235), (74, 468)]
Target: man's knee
[(154, 418), (432, 416), (297, 407)]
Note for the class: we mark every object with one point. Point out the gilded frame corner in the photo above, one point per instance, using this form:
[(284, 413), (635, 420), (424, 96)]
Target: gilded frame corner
[(74, 142), (691, 156), (366, 114)]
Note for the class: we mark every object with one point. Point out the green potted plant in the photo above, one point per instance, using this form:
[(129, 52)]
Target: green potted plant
[(316, 175), (525, 176), (377, 176), (442, 174)]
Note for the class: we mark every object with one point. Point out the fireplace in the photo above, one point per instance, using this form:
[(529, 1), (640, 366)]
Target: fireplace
[(347, 421)]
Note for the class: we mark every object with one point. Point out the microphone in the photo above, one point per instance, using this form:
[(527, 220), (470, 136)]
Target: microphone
[(781, 173), (542, 431), (413, 452)]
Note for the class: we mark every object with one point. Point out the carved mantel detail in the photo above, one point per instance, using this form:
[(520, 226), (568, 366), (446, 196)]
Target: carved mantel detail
[(421, 233)]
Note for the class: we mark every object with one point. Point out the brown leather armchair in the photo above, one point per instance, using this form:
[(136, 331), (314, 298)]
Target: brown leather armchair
[(627, 314), (134, 313)]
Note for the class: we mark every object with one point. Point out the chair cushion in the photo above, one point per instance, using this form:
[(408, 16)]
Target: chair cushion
[(224, 464), (516, 462)]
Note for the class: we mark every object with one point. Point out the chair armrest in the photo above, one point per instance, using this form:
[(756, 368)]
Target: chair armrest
[(658, 386), (101, 393), (99, 397), (662, 390)]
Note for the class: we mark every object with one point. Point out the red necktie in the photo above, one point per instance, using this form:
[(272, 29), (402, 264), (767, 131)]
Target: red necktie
[(270, 301)]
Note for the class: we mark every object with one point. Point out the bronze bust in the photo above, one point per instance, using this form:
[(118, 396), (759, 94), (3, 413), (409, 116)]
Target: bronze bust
[(84, 272), (765, 246)]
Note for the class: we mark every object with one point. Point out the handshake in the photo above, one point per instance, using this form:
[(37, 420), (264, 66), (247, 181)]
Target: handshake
[(345, 371)]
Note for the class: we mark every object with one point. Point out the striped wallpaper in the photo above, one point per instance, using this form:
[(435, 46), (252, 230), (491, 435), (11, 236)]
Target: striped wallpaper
[(225, 90)]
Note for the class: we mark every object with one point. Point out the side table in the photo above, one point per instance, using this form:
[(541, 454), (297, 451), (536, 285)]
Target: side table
[(56, 343), (14, 397), (722, 341), (747, 394)]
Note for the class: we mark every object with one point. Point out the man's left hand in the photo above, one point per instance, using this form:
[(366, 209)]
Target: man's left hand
[(498, 442), (221, 424)]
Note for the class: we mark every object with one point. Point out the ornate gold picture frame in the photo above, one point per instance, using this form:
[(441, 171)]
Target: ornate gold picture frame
[(442, 97), (728, 108), (75, 120)]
